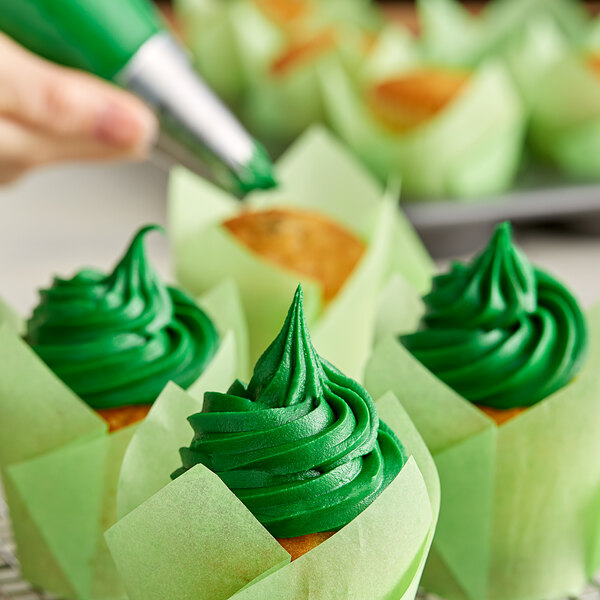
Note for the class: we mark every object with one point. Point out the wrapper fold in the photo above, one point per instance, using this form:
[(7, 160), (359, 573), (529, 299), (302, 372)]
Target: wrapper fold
[(521, 502), (317, 175), (452, 35), (226, 553), (60, 466), (470, 148)]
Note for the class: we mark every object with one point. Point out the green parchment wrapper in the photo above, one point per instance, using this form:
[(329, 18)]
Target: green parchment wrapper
[(276, 107), (194, 540), (60, 466), (565, 103), (209, 34), (316, 174), (450, 34), (521, 503), (470, 149)]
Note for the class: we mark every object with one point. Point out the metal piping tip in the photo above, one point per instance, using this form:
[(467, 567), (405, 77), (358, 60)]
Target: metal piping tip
[(197, 130)]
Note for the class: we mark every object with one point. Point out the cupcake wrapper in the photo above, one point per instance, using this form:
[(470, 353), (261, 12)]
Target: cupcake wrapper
[(208, 32), (60, 466), (472, 148), (275, 108), (226, 553), (565, 124), (521, 513), (315, 175), (451, 35), (533, 53)]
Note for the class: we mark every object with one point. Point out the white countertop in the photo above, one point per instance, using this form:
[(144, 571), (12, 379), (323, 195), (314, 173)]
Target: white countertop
[(57, 221)]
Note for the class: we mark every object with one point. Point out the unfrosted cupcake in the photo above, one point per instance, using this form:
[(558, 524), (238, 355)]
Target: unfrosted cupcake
[(499, 331), (409, 100), (301, 445), (117, 339), (306, 243)]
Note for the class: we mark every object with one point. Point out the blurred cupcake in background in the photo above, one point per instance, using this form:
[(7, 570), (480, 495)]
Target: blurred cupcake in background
[(268, 54), (564, 99), (452, 35), (446, 131), (500, 332)]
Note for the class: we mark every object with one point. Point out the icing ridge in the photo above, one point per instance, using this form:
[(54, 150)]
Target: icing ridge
[(302, 445), (499, 331)]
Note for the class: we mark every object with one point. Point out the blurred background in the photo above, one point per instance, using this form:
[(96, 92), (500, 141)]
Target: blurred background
[(56, 220)]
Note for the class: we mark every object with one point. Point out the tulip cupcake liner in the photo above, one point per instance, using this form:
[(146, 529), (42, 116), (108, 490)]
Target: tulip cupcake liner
[(315, 175), (276, 104), (452, 35), (560, 83), (470, 148), (520, 516), (226, 552), (60, 466), (565, 121)]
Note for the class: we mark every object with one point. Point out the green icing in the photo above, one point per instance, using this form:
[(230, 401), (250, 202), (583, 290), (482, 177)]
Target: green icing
[(302, 445), (118, 339), (499, 331)]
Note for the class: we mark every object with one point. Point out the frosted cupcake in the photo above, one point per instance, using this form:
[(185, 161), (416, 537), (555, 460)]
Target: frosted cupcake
[(95, 355), (502, 381), (117, 339), (301, 445), (290, 483)]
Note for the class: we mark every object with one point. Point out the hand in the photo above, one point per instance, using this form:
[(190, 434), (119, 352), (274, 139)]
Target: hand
[(50, 114)]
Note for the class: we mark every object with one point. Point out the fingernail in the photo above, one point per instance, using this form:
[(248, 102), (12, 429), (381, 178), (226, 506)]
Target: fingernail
[(122, 126)]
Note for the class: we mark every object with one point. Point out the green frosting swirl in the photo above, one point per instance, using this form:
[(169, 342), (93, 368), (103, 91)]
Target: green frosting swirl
[(302, 445), (499, 331), (118, 339)]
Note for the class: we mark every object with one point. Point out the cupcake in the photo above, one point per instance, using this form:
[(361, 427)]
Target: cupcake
[(94, 356), (447, 131), (304, 242), (500, 332), (565, 102), (117, 339), (409, 100), (301, 445), (329, 224), (271, 51), (291, 483), (453, 35), (502, 381)]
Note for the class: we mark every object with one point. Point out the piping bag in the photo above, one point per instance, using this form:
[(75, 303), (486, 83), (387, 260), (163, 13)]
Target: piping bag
[(125, 41)]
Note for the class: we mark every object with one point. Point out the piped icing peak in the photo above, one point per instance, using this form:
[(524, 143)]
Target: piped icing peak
[(499, 331), (495, 289), (290, 370), (118, 339), (302, 445)]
